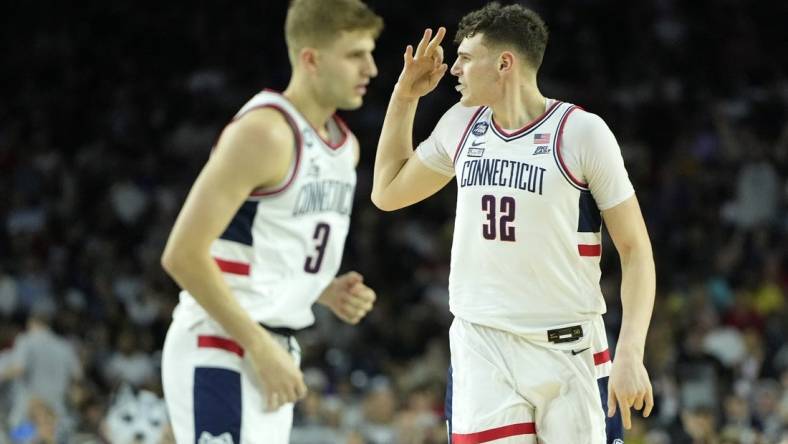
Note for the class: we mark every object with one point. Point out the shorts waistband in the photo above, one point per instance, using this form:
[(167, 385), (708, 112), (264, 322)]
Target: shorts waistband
[(282, 331)]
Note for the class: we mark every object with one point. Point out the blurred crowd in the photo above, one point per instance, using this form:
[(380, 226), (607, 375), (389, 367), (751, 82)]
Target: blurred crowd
[(110, 109)]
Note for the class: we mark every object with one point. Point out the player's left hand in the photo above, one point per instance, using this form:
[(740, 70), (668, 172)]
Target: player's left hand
[(348, 297), (629, 386)]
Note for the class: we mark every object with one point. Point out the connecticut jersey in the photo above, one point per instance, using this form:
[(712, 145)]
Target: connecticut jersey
[(284, 245), (527, 240)]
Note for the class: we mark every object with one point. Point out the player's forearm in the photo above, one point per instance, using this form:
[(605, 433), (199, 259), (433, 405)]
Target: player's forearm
[(395, 146), (198, 274), (637, 298)]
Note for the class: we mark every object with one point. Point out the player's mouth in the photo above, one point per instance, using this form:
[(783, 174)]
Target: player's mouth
[(361, 89), (459, 87)]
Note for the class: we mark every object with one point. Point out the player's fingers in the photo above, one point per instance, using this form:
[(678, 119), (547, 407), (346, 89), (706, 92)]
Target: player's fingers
[(353, 277), (301, 390), (649, 402), (638, 403), (437, 58), (436, 41), (408, 54), (425, 39), (625, 414), (273, 401), (611, 403), (363, 294)]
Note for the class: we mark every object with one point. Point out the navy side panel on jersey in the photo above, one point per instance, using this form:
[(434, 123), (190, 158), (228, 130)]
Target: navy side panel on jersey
[(240, 228), (590, 220)]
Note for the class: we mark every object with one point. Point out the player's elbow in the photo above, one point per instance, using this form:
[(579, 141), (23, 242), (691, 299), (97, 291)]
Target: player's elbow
[(171, 260), (383, 203)]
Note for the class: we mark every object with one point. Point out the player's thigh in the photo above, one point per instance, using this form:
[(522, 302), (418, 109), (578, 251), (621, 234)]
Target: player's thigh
[(567, 398), (481, 402)]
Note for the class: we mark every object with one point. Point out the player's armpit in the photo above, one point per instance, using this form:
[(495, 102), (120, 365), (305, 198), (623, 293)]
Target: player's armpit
[(414, 182)]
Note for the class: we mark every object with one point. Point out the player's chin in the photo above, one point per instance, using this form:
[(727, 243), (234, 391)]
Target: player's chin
[(351, 103), (467, 100)]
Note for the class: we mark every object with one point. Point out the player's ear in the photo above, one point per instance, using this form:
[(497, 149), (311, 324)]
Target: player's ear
[(308, 59), (505, 61)]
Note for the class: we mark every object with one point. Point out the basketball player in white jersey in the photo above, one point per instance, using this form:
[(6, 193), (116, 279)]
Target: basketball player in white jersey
[(533, 175), (261, 234)]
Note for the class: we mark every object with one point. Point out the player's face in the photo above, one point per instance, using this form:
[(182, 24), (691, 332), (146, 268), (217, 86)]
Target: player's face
[(477, 72), (345, 69)]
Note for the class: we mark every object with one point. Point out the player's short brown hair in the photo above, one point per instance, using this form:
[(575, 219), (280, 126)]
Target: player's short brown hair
[(512, 24), (313, 23)]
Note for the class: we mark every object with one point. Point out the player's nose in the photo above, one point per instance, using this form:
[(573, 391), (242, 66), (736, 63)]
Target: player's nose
[(371, 69), (456, 70)]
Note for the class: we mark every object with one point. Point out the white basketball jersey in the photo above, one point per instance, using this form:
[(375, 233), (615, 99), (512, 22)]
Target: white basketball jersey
[(284, 246), (527, 242)]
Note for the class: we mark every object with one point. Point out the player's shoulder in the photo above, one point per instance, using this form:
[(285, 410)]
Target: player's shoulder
[(263, 125), (458, 116), (582, 120)]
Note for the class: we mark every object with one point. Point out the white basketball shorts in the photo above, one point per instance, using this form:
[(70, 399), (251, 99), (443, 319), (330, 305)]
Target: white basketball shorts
[(211, 392), (513, 389)]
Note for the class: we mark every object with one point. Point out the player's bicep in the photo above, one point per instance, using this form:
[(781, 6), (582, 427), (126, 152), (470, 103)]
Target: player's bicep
[(414, 183), (626, 226)]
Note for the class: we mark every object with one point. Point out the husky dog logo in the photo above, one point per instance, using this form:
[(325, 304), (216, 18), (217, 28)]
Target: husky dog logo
[(138, 417), (618, 441), (480, 128), (207, 438)]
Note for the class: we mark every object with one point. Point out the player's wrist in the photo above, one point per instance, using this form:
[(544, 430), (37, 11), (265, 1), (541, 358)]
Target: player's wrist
[(629, 350), (399, 96)]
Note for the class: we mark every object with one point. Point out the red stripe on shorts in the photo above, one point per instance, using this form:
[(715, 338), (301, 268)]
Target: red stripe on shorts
[(589, 250), (232, 267), (602, 357), (219, 342), (524, 428)]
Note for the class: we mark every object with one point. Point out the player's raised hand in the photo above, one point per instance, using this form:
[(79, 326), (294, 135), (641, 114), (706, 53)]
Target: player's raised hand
[(629, 386), (423, 68), (282, 380), (348, 297)]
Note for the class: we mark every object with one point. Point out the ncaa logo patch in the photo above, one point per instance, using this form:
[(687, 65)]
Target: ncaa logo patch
[(480, 128), (618, 441)]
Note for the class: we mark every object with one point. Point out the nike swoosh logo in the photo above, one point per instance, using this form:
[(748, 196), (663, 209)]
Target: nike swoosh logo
[(574, 353), (474, 144)]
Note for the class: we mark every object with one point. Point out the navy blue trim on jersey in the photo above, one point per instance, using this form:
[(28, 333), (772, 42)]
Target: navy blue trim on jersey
[(240, 228), (447, 404), (519, 134), (614, 428), (589, 218), (217, 403)]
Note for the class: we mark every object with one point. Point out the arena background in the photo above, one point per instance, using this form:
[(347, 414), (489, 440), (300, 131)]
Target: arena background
[(108, 111)]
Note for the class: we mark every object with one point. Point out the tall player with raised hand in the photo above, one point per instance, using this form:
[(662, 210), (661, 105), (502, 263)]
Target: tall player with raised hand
[(536, 177), (261, 234)]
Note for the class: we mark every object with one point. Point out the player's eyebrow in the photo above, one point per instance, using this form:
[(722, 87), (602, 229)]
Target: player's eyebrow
[(463, 53)]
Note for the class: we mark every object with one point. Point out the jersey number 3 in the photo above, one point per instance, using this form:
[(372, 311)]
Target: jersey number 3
[(313, 262), (506, 231)]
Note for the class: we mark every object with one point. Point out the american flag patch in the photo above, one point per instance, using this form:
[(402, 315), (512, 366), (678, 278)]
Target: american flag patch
[(541, 139)]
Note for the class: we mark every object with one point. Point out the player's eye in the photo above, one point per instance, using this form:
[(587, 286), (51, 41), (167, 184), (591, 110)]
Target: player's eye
[(127, 418)]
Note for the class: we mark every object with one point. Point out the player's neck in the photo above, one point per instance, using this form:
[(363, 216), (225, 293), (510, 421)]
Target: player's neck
[(307, 103), (521, 104)]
